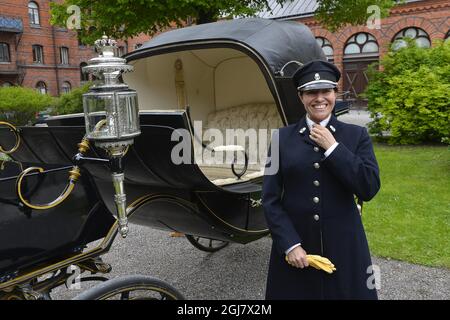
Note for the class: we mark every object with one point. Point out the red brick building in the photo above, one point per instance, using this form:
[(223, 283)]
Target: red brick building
[(353, 48), (35, 54)]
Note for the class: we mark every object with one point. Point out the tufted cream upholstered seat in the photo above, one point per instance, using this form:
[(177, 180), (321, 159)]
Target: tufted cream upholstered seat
[(254, 123)]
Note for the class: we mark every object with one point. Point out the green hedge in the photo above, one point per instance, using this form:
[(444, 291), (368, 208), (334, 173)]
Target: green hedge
[(19, 105), (410, 97), (72, 102)]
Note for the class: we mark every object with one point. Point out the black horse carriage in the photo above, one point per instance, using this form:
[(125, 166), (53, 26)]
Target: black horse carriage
[(194, 85)]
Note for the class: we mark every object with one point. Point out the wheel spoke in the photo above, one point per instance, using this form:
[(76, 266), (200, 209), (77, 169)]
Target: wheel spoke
[(206, 244)]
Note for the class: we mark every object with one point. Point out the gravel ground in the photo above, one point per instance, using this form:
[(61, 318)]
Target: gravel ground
[(239, 271), (359, 117)]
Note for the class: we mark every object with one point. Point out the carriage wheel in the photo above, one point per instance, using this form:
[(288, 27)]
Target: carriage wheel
[(207, 244), (133, 287)]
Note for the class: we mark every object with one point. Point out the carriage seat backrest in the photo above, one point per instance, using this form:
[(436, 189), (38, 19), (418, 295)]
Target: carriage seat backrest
[(248, 116)]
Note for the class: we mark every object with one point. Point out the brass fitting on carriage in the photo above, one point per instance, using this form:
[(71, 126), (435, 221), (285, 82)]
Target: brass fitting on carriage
[(16, 134), (74, 175)]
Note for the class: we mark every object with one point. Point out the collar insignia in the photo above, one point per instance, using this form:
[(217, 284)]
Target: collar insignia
[(332, 128), (302, 130)]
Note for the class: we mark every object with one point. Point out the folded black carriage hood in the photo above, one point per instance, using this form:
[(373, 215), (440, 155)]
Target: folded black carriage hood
[(276, 42), (271, 44)]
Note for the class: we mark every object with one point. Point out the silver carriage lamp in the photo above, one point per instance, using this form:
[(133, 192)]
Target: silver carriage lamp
[(112, 116)]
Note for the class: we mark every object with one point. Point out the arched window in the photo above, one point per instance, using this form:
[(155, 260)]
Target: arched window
[(41, 87), (66, 87), (4, 52), (326, 47), (83, 76), (361, 43), (421, 38), (33, 13)]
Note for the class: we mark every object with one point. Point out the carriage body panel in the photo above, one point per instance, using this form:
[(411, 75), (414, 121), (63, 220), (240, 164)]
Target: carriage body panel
[(30, 237)]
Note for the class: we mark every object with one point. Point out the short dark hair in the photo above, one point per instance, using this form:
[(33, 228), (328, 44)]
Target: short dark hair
[(302, 91)]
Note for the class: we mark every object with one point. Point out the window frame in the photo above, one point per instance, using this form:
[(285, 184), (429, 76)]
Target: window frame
[(34, 14), (39, 88), (401, 34), (325, 43), (121, 51), (83, 76), (353, 41), (64, 58), (4, 48), (37, 48), (66, 85)]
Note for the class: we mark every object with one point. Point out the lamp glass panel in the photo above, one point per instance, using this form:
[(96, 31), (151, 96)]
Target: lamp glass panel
[(128, 113), (98, 107)]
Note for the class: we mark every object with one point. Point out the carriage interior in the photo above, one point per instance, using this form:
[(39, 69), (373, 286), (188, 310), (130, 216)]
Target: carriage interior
[(222, 89)]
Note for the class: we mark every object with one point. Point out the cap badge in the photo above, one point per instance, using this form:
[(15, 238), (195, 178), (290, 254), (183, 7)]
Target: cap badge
[(317, 76)]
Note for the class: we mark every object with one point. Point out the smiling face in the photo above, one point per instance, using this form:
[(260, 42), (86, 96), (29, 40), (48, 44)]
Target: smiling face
[(318, 103)]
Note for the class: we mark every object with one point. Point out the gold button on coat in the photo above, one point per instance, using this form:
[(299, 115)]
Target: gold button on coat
[(316, 200), (316, 183), (316, 165), (316, 217)]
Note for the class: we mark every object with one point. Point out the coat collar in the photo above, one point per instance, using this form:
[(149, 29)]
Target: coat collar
[(302, 128)]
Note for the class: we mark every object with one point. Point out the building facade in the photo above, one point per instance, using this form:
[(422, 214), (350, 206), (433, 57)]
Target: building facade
[(353, 48), (35, 54)]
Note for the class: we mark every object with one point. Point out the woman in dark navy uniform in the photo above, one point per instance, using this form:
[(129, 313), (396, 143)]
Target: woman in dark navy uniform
[(309, 201)]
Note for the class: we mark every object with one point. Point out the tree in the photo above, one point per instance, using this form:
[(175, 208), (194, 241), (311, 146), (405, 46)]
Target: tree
[(410, 96), (123, 19), (334, 14)]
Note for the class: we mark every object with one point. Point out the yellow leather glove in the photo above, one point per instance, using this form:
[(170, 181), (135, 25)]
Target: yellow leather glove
[(320, 263)]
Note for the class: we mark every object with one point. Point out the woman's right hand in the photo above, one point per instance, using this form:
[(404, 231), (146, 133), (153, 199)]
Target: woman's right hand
[(297, 258)]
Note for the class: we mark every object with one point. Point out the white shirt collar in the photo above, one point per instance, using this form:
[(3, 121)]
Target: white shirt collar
[(323, 123)]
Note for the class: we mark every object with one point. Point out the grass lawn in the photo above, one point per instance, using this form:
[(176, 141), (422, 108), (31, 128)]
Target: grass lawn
[(409, 219)]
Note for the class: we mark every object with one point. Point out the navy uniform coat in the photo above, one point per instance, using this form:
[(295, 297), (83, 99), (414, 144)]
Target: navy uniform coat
[(310, 200)]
